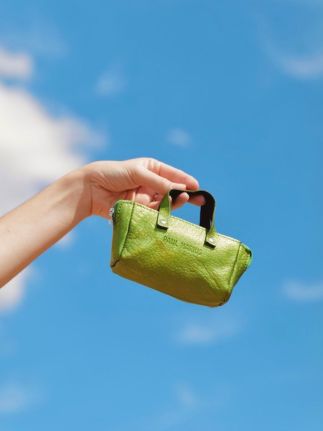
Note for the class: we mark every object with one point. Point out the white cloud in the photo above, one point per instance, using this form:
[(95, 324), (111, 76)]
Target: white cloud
[(179, 137), (12, 294), (67, 240), (110, 83), (15, 65), (37, 37), (185, 395), (308, 66), (15, 398), (171, 418), (294, 45), (304, 67), (302, 292), (8, 345), (36, 147), (207, 331), (184, 405)]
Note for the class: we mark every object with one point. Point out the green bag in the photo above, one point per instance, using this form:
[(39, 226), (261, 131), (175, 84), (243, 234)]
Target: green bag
[(190, 262)]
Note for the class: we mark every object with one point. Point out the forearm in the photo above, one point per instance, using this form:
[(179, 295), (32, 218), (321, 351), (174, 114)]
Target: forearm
[(34, 226), (30, 229)]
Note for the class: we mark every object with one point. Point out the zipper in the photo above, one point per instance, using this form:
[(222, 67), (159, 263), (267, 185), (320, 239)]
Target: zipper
[(112, 215)]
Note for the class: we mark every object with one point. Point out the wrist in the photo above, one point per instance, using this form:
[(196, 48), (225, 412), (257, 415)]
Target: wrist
[(98, 198), (78, 184)]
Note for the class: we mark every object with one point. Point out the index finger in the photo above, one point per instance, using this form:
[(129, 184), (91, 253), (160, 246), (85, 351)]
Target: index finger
[(177, 175)]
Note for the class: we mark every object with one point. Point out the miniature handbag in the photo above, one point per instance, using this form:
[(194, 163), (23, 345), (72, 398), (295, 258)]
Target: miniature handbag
[(190, 262)]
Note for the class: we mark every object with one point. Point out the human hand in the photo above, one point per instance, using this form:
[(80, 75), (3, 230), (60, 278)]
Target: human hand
[(92, 189), (144, 180)]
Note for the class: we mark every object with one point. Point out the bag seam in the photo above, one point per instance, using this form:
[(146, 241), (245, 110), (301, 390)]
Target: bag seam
[(128, 227), (234, 265), (122, 202), (248, 262)]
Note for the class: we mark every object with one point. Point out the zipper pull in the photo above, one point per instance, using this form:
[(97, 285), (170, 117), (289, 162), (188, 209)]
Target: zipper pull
[(110, 214)]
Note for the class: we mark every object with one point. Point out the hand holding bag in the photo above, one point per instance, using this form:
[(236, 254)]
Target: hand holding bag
[(190, 262)]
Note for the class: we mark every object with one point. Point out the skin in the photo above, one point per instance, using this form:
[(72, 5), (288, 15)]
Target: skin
[(34, 226)]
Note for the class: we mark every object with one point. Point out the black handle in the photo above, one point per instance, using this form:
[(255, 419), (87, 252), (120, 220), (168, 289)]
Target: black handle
[(207, 209)]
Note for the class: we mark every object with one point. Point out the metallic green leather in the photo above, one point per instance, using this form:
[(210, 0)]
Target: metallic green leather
[(190, 262)]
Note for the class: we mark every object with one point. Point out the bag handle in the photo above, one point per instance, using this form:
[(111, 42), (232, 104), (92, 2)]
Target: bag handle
[(207, 212)]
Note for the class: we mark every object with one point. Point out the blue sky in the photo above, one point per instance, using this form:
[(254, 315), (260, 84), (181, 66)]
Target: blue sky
[(229, 91)]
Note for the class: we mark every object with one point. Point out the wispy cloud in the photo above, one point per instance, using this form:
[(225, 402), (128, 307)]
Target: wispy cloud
[(12, 294), (179, 137), (111, 82), (185, 405), (299, 56), (307, 67), (303, 292), (36, 147), (300, 66), (207, 331), (8, 345), (15, 64), (67, 241), (38, 37), (185, 395), (15, 397)]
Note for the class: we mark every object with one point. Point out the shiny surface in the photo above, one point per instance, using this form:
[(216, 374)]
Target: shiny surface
[(177, 260), (207, 212)]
